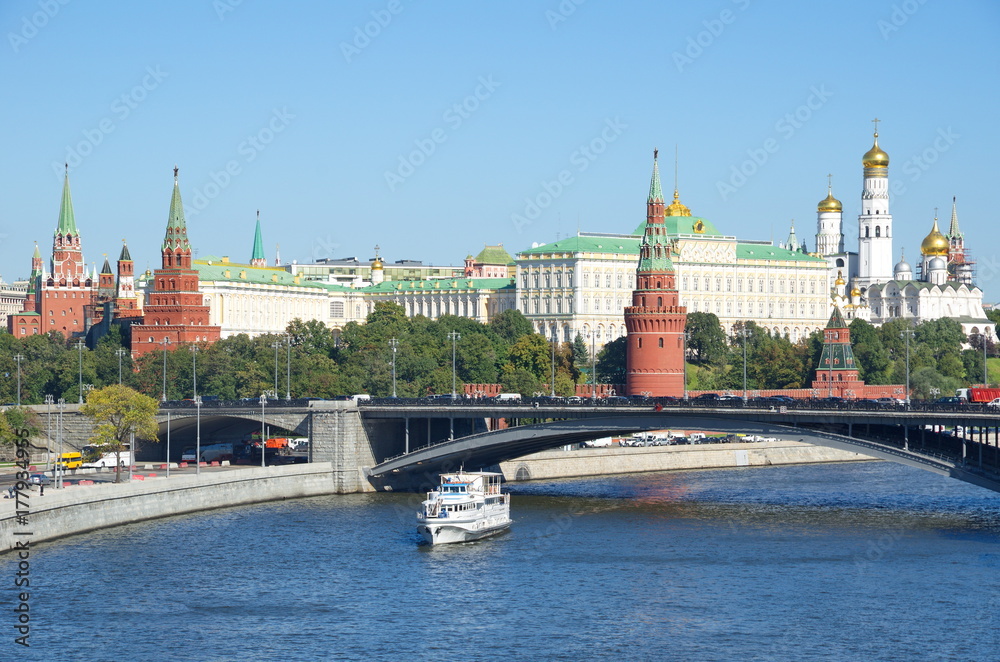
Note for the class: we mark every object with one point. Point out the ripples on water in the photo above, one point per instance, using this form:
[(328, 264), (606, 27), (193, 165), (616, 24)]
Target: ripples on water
[(843, 562)]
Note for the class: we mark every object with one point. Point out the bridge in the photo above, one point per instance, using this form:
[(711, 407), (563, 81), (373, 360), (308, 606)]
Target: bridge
[(905, 435), (404, 444)]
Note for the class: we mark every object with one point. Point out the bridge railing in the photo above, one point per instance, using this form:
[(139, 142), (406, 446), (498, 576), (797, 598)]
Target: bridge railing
[(724, 401)]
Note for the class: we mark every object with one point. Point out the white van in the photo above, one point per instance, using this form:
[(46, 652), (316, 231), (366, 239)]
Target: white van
[(509, 397), (359, 397)]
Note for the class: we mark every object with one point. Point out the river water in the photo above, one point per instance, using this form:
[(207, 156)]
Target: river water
[(859, 561)]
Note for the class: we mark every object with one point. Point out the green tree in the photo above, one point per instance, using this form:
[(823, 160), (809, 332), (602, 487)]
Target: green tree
[(873, 361), (531, 353), (581, 356), (511, 325), (120, 412), (611, 362), (706, 339)]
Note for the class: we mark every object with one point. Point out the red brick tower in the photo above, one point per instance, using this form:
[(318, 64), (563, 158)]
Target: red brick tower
[(655, 320), (62, 295), (175, 312), (837, 371), (126, 304)]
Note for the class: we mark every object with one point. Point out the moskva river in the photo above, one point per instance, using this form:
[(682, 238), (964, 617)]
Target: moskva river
[(865, 561)]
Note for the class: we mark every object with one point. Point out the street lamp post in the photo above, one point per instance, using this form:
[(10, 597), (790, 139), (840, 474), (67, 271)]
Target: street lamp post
[(276, 345), (593, 367), (121, 351), (744, 361), (552, 378), (985, 375), (194, 372), (197, 442), (61, 405), (164, 342), (49, 400), (454, 337), (394, 344), (906, 335), (18, 358), (79, 348), (168, 443), (263, 438), (288, 367)]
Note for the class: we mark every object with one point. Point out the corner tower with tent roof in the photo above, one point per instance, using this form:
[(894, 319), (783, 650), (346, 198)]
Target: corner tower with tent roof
[(175, 312), (837, 372), (62, 295), (655, 320)]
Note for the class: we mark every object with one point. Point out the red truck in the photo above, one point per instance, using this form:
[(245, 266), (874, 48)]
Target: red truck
[(978, 395)]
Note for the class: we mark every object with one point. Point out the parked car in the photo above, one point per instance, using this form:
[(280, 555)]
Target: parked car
[(40, 479)]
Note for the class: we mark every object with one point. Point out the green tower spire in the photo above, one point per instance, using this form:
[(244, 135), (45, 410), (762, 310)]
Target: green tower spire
[(67, 222), (655, 191), (176, 237), (257, 258)]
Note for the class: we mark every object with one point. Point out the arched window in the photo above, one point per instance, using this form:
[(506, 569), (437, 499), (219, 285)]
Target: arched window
[(661, 343), (639, 345), (659, 302), (878, 231), (866, 232)]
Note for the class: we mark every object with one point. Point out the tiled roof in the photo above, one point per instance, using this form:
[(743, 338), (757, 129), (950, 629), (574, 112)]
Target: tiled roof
[(494, 255)]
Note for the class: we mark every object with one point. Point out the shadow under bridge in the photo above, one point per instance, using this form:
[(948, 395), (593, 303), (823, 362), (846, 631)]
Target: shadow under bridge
[(420, 468)]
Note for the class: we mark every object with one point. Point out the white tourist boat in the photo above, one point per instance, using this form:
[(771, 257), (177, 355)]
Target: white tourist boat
[(468, 505)]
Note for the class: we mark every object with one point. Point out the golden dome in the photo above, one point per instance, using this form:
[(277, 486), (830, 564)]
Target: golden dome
[(855, 291), (934, 243), (677, 208), (840, 279), (377, 263), (830, 203), (875, 157)]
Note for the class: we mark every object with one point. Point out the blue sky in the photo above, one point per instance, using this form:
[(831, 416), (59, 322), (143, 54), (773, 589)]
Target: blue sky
[(433, 128)]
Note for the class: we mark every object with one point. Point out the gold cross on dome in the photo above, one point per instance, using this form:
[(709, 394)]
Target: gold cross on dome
[(875, 122)]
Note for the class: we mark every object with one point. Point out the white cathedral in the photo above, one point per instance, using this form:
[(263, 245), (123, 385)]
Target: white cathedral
[(943, 285)]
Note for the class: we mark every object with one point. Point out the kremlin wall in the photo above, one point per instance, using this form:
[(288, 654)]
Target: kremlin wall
[(601, 286)]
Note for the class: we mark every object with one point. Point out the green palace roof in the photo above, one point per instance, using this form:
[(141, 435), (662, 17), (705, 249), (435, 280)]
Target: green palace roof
[(768, 252), (685, 225), (628, 245), (439, 285), (494, 255), (244, 273)]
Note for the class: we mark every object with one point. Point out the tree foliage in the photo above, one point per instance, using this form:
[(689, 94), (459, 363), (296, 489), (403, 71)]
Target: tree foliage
[(120, 412)]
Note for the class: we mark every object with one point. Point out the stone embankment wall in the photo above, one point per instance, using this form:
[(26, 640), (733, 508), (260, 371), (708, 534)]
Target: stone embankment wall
[(616, 460), (79, 508)]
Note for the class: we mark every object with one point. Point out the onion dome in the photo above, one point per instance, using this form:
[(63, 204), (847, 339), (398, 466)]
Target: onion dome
[(377, 263), (840, 279), (830, 203), (875, 157), (902, 268), (937, 264), (934, 243), (855, 291)]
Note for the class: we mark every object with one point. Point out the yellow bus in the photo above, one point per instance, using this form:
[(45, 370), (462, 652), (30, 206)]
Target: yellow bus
[(71, 460)]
